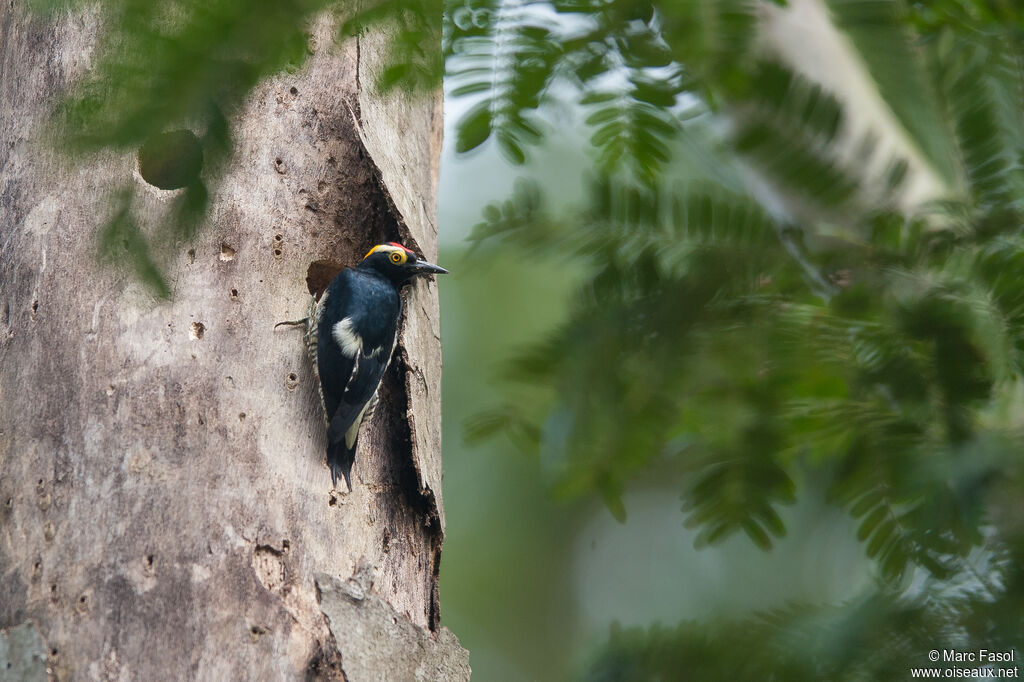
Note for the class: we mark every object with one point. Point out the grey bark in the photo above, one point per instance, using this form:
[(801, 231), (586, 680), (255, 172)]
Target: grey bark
[(22, 654), (165, 507)]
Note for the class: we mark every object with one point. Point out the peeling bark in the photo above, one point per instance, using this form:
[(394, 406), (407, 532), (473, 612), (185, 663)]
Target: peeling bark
[(165, 506)]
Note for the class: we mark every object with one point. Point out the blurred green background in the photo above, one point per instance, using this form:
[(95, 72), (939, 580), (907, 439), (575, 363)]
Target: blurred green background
[(530, 583)]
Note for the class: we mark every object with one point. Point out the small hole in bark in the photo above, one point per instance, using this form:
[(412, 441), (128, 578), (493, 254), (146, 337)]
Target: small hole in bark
[(35, 306), (278, 238), (149, 560), (226, 252), (191, 255), (333, 500), (292, 381), (277, 252), (285, 544), (234, 294), (53, 651), (53, 589), (294, 90), (198, 329), (171, 160), (9, 503), (241, 416)]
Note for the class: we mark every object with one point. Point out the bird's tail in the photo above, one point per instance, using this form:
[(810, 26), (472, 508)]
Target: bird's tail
[(340, 459)]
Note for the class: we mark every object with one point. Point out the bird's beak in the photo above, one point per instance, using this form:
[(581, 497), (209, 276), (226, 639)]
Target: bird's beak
[(425, 268)]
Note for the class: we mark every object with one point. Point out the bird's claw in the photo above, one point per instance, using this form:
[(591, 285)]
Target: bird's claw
[(293, 323)]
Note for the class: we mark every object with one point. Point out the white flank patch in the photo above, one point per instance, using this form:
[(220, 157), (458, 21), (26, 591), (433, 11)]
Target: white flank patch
[(349, 342)]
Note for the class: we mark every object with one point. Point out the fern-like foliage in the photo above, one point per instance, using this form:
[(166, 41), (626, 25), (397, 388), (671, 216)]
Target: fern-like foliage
[(511, 55), (787, 127), (634, 123), (749, 335), (979, 78), (878, 28), (503, 53)]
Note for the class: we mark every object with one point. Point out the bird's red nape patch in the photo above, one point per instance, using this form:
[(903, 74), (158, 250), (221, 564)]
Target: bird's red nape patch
[(400, 246)]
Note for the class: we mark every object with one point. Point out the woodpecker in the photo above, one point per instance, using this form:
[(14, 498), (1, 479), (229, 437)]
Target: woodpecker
[(351, 333)]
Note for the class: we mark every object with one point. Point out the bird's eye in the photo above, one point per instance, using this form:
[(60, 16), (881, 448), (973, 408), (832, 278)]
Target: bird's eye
[(397, 258)]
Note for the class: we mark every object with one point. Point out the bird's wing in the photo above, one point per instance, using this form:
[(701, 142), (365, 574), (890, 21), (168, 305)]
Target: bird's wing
[(367, 372), (357, 400)]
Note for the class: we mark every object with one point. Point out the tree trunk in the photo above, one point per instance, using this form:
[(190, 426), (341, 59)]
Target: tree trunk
[(165, 507)]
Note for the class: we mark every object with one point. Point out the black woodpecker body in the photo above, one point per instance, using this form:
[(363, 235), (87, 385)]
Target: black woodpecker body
[(351, 334)]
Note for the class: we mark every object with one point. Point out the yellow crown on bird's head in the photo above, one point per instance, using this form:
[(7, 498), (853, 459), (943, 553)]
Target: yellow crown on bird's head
[(399, 254)]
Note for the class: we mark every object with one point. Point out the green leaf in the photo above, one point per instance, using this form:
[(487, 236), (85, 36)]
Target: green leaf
[(474, 128)]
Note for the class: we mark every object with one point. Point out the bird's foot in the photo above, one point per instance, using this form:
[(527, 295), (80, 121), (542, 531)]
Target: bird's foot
[(293, 323)]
